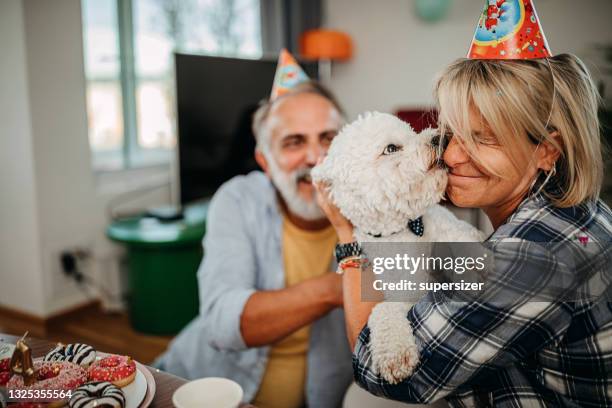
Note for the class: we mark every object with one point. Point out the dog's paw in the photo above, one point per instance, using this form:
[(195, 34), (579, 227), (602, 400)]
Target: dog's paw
[(392, 344)]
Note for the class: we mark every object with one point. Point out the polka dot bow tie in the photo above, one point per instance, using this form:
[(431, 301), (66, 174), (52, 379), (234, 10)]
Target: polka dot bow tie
[(416, 226)]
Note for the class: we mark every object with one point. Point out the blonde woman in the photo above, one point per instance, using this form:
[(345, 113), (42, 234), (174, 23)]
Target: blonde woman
[(525, 148)]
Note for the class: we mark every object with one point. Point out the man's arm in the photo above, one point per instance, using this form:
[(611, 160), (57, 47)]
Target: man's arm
[(270, 316), (235, 314)]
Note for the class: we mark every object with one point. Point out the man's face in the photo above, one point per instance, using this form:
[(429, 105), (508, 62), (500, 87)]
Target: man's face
[(302, 128)]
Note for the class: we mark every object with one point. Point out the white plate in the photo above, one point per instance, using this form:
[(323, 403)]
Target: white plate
[(136, 390), (6, 350)]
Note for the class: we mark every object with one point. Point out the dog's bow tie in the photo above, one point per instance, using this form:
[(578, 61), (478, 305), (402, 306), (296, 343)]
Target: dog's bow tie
[(416, 226)]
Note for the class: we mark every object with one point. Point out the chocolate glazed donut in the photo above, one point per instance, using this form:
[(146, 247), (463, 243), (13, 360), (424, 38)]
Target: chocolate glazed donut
[(81, 354), (97, 394)]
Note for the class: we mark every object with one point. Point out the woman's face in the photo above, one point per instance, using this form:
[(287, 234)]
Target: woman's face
[(469, 185)]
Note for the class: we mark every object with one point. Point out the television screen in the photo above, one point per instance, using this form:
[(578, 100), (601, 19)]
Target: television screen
[(216, 99)]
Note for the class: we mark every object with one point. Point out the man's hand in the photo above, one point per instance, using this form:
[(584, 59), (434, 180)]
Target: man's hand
[(270, 316)]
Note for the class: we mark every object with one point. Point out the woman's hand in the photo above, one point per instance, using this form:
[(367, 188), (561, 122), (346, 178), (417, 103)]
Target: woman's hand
[(343, 227)]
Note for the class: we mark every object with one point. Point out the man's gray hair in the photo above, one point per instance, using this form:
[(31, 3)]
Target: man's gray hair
[(263, 126)]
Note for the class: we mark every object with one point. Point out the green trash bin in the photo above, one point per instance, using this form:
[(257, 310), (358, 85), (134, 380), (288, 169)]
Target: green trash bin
[(163, 259)]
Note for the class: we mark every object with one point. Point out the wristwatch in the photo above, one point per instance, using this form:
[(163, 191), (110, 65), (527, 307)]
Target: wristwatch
[(346, 250)]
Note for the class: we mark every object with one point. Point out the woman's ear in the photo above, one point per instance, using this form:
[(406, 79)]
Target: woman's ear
[(548, 153)]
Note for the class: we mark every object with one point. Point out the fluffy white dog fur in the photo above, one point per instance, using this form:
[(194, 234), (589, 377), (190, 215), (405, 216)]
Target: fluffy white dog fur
[(381, 174)]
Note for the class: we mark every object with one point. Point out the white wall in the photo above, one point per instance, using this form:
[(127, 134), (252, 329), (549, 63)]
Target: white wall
[(65, 183), (397, 55), (51, 199), (20, 261)]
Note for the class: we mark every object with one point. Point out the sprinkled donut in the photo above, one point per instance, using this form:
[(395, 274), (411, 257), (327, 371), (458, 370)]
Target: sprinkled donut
[(119, 370), (55, 375), (97, 394), (77, 353), (5, 371)]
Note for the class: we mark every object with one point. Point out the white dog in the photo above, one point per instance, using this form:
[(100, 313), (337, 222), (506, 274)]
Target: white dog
[(384, 178)]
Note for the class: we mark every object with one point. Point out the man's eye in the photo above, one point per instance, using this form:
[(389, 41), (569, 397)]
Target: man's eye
[(328, 137), (390, 149), (292, 143)]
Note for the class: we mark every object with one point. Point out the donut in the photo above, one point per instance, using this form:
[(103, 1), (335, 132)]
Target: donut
[(97, 394), (54, 375), (5, 371), (77, 353), (119, 370)]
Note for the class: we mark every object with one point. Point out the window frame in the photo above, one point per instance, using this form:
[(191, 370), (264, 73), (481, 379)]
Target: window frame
[(130, 155), (128, 82)]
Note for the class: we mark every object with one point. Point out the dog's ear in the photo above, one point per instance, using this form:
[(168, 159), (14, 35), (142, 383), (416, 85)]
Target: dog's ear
[(429, 132)]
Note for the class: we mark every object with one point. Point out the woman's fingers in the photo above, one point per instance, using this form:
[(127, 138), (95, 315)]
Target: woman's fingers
[(324, 201), (343, 226)]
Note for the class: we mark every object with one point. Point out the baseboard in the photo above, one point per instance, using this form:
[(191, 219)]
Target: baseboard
[(74, 311), (39, 326)]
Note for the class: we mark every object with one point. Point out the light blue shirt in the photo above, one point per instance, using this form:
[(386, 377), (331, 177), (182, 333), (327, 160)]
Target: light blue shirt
[(243, 254)]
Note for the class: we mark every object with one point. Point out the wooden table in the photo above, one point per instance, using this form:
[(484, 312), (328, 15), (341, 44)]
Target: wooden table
[(165, 383)]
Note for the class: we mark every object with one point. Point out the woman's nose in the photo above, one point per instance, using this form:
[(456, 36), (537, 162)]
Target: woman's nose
[(455, 154)]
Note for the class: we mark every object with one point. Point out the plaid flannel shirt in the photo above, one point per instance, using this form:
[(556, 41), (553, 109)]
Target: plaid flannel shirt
[(553, 353)]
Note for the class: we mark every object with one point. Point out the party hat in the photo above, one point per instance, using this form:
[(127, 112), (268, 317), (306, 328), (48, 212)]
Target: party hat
[(288, 75), (509, 29)]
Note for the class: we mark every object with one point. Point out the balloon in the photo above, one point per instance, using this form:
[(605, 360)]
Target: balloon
[(432, 10)]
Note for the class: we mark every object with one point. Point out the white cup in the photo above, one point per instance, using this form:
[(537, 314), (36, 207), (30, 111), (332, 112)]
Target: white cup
[(208, 392)]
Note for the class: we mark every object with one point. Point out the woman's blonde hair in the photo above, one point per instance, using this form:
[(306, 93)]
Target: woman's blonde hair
[(524, 103)]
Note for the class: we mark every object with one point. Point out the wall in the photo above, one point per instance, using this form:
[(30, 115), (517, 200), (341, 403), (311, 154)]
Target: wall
[(397, 55), (65, 183), (52, 200), (20, 261)]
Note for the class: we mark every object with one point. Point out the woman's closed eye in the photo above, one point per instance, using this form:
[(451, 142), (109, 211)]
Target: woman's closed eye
[(485, 139), (390, 149)]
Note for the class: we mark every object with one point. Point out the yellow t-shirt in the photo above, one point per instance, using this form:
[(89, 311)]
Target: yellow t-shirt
[(306, 255)]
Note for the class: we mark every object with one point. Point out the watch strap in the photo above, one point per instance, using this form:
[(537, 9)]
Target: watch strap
[(346, 250)]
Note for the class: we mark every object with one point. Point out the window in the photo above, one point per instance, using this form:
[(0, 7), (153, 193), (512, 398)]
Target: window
[(129, 68)]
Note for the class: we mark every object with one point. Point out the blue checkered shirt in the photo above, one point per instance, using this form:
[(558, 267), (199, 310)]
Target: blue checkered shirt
[(541, 354)]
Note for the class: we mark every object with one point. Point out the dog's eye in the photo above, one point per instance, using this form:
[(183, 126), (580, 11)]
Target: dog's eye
[(390, 149)]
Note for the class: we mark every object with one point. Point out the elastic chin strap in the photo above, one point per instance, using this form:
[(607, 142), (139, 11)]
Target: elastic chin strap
[(554, 97), (552, 171), (549, 175)]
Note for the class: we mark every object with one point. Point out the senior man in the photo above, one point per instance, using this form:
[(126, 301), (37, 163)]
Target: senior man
[(270, 315)]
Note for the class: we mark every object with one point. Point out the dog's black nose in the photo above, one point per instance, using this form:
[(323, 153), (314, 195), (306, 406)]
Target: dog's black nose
[(435, 141), (439, 143)]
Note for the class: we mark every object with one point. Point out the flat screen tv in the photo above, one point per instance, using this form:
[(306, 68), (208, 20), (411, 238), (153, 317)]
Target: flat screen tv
[(216, 99)]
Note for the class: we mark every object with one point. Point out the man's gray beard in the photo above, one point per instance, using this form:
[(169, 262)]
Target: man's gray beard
[(287, 186)]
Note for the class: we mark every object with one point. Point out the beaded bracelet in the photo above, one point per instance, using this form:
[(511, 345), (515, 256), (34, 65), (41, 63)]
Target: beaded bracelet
[(350, 262)]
